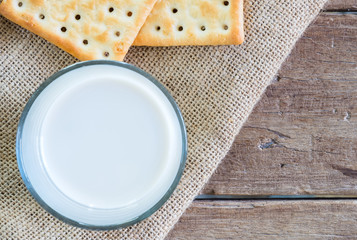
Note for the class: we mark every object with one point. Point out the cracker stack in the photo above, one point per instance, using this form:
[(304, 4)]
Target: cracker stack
[(105, 29)]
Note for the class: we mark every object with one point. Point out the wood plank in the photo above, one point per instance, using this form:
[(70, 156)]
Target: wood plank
[(341, 5), (302, 136), (267, 220)]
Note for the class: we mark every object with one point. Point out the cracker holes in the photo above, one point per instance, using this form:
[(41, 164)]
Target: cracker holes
[(20, 4), (203, 28), (111, 9), (77, 17), (129, 14), (174, 10), (63, 29), (85, 42), (106, 54), (225, 27), (117, 33), (158, 28), (41, 16), (180, 28), (225, 3)]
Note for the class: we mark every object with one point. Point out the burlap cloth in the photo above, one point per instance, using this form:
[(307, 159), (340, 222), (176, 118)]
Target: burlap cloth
[(215, 87)]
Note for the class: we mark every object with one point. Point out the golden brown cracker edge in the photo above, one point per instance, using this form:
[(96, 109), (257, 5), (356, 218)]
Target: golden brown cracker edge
[(33, 15)]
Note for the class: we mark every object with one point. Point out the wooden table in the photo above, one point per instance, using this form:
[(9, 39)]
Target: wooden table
[(292, 171)]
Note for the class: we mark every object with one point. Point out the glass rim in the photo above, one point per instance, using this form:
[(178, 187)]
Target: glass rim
[(27, 108)]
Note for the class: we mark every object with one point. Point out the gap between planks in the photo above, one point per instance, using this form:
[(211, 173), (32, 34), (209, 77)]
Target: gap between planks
[(206, 197)]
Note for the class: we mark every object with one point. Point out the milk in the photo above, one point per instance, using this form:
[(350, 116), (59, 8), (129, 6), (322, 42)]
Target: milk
[(101, 145)]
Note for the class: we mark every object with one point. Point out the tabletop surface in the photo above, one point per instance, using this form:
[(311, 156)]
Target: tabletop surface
[(292, 170)]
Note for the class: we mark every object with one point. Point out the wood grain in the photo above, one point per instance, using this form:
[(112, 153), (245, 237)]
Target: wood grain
[(302, 136), (268, 220), (341, 5), (300, 139)]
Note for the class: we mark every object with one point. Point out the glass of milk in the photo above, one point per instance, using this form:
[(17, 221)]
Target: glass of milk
[(101, 145)]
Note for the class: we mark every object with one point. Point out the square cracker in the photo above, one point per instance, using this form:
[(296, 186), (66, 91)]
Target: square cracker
[(193, 22), (87, 29)]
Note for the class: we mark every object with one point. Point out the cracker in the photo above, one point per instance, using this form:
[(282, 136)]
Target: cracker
[(193, 22), (87, 29)]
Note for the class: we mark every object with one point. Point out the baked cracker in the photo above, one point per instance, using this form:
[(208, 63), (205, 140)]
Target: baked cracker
[(87, 29), (193, 22)]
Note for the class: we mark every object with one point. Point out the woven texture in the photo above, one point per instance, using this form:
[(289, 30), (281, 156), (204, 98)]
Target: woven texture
[(215, 87)]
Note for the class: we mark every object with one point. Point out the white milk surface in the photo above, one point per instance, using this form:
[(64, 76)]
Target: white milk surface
[(101, 145)]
